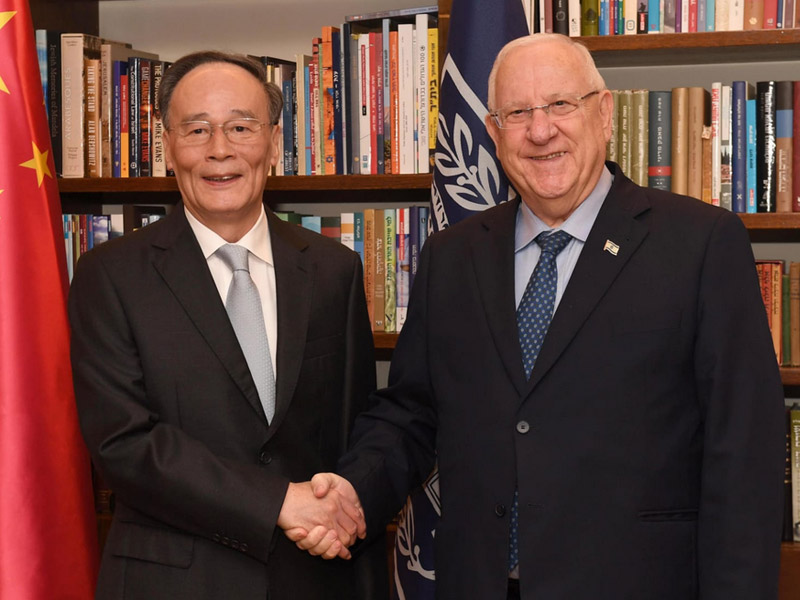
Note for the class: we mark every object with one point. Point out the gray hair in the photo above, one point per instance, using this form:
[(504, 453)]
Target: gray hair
[(181, 67)]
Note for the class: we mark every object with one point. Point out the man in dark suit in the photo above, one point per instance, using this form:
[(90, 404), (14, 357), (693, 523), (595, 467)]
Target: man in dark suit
[(200, 441), (635, 453)]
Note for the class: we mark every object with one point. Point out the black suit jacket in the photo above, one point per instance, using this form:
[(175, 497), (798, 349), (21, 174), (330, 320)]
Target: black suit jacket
[(647, 445), (172, 418)]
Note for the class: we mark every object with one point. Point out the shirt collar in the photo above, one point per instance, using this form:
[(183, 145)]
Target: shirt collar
[(257, 240), (578, 224)]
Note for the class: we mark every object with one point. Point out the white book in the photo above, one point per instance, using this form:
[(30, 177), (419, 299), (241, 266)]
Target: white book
[(74, 46), (684, 17), (722, 12), (365, 105), (405, 88), (629, 16), (526, 7), (574, 9), (736, 15), (541, 15), (716, 151), (347, 224), (421, 91)]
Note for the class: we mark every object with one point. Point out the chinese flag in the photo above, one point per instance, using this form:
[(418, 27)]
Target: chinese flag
[(48, 539)]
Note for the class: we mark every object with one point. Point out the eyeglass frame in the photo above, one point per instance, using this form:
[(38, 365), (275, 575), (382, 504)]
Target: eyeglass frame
[(213, 126), (545, 108)]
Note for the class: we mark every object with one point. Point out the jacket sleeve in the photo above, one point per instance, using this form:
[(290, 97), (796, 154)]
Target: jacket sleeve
[(741, 399)]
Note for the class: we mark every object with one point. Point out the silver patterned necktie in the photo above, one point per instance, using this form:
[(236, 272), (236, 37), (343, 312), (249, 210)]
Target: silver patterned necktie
[(533, 318), (243, 304)]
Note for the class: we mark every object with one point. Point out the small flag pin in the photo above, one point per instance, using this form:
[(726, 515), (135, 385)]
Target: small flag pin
[(611, 247)]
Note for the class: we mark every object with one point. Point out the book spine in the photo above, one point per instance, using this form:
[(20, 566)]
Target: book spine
[(317, 147), (770, 14), (706, 175), (752, 203), (376, 88), (358, 235), (786, 321), (134, 114), (346, 224), (739, 144), (379, 291), (794, 313), (145, 118), (726, 147), (403, 266), (338, 101), (124, 120), (354, 99), (72, 105), (421, 88), (115, 118), (288, 127), (328, 103), (653, 16), (716, 148), (364, 105), (697, 119), (386, 96), (413, 245), (590, 10), (331, 227), (796, 143), (159, 167), (106, 110), (369, 262), (765, 145), (795, 444), (394, 104), (92, 118), (660, 130), (680, 140), (405, 41), (433, 91), (307, 112), (390, 270), (612, 152), (54, 96), (624, 130), (753, 14), (560, 17), (669, 16), (783, 146), (639, 136)]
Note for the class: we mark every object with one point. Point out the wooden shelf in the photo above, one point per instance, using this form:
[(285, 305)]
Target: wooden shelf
[(765, 45), (790, 375), (299, 183), (771, 221), (789, 579)]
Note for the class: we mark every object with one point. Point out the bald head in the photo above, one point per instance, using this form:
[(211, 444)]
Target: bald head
[(540, 40)]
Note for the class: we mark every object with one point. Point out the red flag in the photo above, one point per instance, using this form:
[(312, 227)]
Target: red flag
[(48, 537)]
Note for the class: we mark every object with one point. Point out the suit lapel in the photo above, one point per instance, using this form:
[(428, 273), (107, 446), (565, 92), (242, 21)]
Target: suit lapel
[(294, 280), (493, 258), (181, 264), (596, 268)]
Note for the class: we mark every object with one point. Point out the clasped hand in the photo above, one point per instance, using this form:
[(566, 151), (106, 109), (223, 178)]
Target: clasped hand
[(323, 516)]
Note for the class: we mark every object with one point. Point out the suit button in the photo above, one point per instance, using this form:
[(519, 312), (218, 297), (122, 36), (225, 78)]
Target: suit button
[(235, 544), (226, 541), (499, 510), (243, 547), (264, 457), (216, 537), (523, 427)]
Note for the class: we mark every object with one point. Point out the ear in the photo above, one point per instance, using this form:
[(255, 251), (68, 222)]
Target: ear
[(167, 149), (273, 145), (492, 129), (606, 108)]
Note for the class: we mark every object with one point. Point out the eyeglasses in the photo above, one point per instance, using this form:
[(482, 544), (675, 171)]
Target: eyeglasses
[(238, 131), (515, 117)]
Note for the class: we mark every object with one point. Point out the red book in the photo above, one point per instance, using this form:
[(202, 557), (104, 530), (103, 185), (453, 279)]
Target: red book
[(49, 533), (770, 14)]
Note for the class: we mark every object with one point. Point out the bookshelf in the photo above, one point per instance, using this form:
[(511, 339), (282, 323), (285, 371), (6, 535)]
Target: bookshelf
[(619, 56)]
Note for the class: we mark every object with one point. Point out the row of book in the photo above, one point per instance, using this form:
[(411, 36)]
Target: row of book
[(389, 242), (791, 480), (780, 290), (101, 106), (737, 146), (365, 101), (626, 17)]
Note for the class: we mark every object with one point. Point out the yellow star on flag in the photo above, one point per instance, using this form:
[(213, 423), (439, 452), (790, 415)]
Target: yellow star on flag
[(5, 17), (38, 162)]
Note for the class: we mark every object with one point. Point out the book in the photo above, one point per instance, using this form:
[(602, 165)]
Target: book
[(75, 47), (124, 119), (680, 140), (339, 121), (379, 289), (560, 17), (660, 144), (303, 135), (794, 313), (590, 10), (92, 147), (315, 114), (771, 281), (765, 145), (698, 107), (347, 229), (134, 114), (726, 147), (288, 129), (364, 125), (794, 430), (403, 262), (405, 94), (358, 234), (390, 270), (786, 321), (328, 102), (624, 127), (783, 146), (353, 103), (159, 165), (433, 90), (753, 14), (796, 140), (752, 204), (331, 227), (312, 223), (639, 147), (741, 92), (706, 175), (53, 98), (421, 90), (716, 148), (369, 262)]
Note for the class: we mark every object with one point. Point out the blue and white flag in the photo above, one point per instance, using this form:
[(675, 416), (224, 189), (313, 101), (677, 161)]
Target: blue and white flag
[(467, 176)]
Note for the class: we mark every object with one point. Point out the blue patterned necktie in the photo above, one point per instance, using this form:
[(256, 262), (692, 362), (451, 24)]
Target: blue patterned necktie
[(533, 318), (244, 310)]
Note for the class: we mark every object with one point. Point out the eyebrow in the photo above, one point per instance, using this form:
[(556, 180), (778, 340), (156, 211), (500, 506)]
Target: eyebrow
[(237, 112)]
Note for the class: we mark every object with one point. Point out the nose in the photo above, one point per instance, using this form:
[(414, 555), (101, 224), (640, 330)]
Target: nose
[(219, 147), (541, 128)]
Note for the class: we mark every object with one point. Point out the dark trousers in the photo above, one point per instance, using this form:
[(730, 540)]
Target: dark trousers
[(513, 589)]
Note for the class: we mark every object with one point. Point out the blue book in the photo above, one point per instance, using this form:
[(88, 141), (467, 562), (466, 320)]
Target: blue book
[(603, 21), (312, 222), (654, 16), (711, 7), (101, 228), (424, 212), (741, 91), (752, 132), (358, 234), (41, 53), (118, 69), (336, 51), (307, 109), (288, 127)]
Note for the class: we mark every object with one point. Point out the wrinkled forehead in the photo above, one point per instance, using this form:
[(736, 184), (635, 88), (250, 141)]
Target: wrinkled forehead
[(540, 73)]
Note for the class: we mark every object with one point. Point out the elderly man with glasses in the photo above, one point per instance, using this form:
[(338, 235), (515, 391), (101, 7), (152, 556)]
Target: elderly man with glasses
[(219, 357), (591, 367)]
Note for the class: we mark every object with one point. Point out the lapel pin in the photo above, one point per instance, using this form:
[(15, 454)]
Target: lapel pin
[(611, 247)]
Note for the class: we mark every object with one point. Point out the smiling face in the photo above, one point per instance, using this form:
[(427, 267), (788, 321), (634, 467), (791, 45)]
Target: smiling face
[(553, 164), (221, 183)]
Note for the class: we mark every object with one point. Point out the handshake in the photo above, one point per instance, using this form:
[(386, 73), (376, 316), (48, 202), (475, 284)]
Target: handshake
[(323, 516)]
